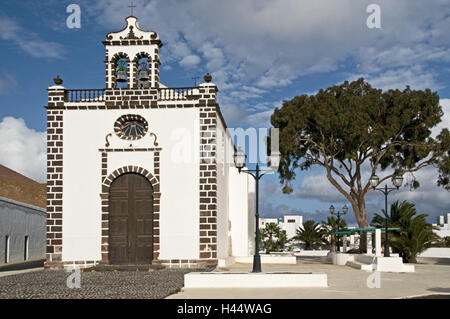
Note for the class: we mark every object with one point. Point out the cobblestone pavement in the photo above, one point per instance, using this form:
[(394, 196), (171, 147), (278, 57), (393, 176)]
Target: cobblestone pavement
[(51, 284)]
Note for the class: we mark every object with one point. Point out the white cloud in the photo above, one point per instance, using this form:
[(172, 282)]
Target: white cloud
[(23, 149), (27, 41), (234, 114), (417, 77), (213, 55), (428, 198), (190, 61), (269, 44), (7, 82), (445, 120)]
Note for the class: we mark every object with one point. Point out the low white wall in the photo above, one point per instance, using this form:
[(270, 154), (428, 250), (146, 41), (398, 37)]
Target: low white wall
[(312, 253), (436, 252), (254, 280), (268, 259)]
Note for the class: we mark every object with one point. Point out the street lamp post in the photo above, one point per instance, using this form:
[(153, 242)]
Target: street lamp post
[(397, 181), (239, 160), (338, 214)]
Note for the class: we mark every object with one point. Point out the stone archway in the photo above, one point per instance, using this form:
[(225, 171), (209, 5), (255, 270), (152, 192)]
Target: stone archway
[(105, 195), (131, 220)]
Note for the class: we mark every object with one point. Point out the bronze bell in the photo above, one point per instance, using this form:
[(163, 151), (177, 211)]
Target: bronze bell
[(143, 76), (121, 77)]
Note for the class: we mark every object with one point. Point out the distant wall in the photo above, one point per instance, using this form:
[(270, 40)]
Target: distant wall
[(18, 220), (436, 252)]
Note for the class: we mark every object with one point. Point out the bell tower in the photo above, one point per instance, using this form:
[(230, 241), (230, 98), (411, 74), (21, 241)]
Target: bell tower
[(132, 57)]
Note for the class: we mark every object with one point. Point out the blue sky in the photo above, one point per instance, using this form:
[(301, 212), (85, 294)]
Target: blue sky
[(259, 52)]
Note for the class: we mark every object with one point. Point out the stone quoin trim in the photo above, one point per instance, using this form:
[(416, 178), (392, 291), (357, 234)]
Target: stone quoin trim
[(108, 82), (187, 263), (208, 174), (106, 184), (121, 121), (54, 176)]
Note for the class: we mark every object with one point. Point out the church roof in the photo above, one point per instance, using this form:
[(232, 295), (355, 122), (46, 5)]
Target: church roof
[(132, 32), (20, 188)]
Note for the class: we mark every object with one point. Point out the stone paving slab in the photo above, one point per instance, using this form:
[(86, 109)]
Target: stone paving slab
[(344, 283), (52, 284)]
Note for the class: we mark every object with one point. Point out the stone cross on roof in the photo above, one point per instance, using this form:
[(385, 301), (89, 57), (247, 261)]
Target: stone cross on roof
[(132, 6)]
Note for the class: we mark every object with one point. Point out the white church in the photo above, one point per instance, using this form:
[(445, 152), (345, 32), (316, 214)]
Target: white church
[(139, 173)]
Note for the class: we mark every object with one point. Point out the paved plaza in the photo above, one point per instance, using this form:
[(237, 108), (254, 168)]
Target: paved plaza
[(343, 281)]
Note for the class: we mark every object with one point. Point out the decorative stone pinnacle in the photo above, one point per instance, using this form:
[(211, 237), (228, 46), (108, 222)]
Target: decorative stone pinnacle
[(207, 78), (58, 80)]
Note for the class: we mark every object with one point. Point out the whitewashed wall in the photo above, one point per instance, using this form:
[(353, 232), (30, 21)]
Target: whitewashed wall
[(291, 227), (84, 134), (223, 171), (242, 214), (235, 220)]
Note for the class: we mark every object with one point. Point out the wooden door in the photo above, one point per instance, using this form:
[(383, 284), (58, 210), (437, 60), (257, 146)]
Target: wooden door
[(131, 220)]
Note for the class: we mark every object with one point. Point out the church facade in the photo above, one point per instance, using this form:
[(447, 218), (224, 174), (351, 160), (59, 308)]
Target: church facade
[(139, 173)]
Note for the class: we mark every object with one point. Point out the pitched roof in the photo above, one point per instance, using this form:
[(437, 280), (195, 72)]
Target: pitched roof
[(20, 188)]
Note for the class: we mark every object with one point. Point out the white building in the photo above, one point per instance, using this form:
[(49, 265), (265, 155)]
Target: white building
[(139, 173), (264, 221), (289, 223), (444, 226), (22, 232)]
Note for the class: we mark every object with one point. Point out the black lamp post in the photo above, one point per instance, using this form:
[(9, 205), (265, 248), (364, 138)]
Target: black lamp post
[(397, 181), (338, 214), (239, 160)]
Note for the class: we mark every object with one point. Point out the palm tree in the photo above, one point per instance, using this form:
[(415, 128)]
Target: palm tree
[(282, 240), (442, 242), (311, 234), (446, 241), (330, 226), (415, 234), (269, 233)]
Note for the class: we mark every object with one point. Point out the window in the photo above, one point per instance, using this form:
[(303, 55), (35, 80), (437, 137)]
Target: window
[(25, 249), (6, 249), (131, 127), (291, 220)]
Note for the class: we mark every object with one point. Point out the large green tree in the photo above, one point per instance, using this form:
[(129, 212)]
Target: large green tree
[(351, 127)]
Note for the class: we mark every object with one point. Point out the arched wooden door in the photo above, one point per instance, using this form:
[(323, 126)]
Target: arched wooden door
[(130, 220)]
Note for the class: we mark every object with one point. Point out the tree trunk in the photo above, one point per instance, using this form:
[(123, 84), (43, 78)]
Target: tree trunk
[(359, 207), (332, 244)]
